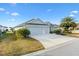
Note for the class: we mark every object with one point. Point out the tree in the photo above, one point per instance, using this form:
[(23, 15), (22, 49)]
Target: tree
[(73, 25), (67, 23)]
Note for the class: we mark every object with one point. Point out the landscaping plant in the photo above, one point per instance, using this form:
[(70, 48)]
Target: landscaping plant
[(24, 33)]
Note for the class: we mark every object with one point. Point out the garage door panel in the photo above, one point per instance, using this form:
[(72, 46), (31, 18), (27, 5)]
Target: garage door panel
[(38, 30), (35, 31)]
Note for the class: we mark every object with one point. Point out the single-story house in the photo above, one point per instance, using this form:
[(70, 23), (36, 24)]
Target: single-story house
[(3, 28), (36, 26)]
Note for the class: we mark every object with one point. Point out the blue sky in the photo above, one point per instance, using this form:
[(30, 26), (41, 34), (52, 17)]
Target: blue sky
[(12, 14)]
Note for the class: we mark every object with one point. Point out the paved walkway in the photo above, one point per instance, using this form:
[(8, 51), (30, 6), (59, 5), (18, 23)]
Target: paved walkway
[(51, 40)]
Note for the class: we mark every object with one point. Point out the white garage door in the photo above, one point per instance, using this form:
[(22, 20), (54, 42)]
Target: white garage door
[(37, 31)]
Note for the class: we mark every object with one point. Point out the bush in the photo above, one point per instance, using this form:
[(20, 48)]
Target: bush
[(0, 32), (57, 31), (51, 32), (4, 32), (22, 33)]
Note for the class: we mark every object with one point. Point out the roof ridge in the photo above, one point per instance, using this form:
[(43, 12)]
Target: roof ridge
[(35, 19)]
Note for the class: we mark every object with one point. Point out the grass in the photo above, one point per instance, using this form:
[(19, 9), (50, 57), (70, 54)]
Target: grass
[(73, 35), (11, 47), (7, 37)]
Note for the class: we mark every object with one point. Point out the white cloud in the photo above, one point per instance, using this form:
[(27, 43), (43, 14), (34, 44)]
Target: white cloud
[(74, 12), (14, 14), (71, 15), (11, 20), (2, 9), (49, 10)]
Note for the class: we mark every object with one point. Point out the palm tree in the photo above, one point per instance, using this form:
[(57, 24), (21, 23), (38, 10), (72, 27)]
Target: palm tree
[(67, 23), (67, 19), (73, 25)]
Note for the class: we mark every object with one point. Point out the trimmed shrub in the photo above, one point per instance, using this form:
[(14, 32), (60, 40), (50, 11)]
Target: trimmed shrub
[(51, 32), (22, 33), (57, 31)]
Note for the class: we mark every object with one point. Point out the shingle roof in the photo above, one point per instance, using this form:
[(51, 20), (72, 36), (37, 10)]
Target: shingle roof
[(37, 21), (33, 21)]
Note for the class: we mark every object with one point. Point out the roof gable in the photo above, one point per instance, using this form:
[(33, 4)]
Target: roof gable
[(35, 21)]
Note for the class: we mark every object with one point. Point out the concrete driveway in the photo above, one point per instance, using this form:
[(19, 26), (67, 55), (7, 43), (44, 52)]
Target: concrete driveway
[(71, 49), (57, 45), (50, 40)]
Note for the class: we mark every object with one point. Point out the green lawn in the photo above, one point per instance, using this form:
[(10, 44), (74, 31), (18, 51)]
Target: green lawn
[(10, 46)]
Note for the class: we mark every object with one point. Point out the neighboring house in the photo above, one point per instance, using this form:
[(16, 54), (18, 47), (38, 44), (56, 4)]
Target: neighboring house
[(76, 29), (3, 28), (36, 26), (52, 26)]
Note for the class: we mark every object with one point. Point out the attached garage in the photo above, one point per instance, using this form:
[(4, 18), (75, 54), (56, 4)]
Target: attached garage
[(36, 27)]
